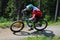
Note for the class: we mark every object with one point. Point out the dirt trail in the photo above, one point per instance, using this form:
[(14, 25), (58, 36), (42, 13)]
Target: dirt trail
[(6, 34)]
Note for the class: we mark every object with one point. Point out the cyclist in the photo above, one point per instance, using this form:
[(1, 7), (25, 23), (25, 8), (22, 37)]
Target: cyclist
[(36, 13)]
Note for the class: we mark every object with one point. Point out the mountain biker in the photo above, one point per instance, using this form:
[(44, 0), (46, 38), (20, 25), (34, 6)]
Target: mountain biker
[(36, 13)]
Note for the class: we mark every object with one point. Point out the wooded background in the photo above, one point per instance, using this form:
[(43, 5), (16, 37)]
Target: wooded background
[(9, 9)]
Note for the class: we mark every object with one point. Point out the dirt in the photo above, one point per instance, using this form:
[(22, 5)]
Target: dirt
[(7, 34)]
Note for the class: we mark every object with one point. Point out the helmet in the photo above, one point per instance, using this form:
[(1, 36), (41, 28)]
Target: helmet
[(30, 6)]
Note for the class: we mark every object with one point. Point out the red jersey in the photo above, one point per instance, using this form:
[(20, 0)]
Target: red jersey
[(36, 12)]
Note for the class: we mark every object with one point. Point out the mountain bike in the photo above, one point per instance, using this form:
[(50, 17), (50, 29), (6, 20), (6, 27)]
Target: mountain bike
[(17, 26)]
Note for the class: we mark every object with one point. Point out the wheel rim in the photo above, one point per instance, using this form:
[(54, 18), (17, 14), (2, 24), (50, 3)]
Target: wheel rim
[(40, 25), (17, 26)]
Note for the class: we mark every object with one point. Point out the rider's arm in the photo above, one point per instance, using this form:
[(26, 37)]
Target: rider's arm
[(24, 10), (33, 15)]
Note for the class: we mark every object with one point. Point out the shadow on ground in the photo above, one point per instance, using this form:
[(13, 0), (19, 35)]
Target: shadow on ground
[(47, 33)]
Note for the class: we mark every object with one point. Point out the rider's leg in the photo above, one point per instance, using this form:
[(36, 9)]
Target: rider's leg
[(31, 28), (40, 21), (37, 20), (30, 25), (34, 21)]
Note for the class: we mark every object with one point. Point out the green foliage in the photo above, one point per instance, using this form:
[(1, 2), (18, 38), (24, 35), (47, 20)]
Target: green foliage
[(2, 19), (47, 17), (10, 8), (52, 23), (5, 22), (38, 38), (56, 38), (48, 7), (58, 18), (42, 38)]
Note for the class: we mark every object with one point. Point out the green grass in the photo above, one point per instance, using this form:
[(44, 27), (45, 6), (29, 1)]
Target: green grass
[(5, 24), (8, 23), (56, 38), (42, 38), (52, 23)]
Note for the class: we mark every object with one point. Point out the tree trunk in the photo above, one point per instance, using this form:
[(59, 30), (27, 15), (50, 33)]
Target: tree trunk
[(56, 11), (0, 7), (39, 4)]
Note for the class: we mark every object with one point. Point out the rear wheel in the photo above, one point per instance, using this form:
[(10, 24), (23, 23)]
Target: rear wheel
[(40, 25), (17, 26)]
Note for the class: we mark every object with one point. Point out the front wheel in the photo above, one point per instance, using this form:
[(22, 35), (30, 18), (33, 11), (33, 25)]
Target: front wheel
[(17, 26), (40, 25)]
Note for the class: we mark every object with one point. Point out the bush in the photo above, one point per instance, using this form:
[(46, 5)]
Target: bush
[(2, 19), (47, 17), (5, 22), (10, 9)]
